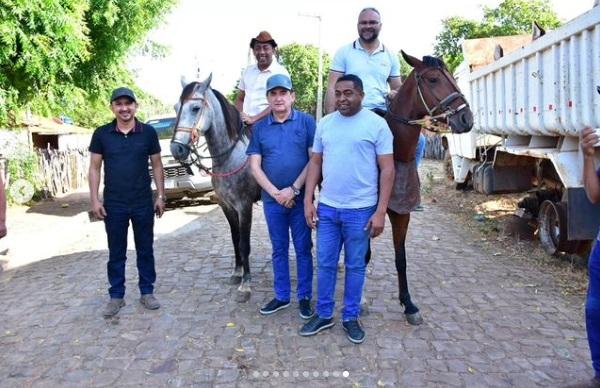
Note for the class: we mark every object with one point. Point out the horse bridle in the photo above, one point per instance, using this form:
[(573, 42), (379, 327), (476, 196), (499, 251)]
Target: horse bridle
[(194, 155), (443, 105)]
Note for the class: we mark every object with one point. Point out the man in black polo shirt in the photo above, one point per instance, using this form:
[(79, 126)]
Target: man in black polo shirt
[(124, 146)]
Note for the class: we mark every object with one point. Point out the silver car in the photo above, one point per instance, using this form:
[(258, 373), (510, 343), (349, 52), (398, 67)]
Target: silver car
[(180, 181)]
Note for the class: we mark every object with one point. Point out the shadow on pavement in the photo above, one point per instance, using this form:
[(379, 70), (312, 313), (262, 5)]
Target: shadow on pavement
[(66, 206)]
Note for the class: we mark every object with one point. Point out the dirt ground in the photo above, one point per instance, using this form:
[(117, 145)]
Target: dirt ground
[(492, 220)]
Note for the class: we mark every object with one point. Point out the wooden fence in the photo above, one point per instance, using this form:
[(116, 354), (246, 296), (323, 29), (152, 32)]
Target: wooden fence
[(63, 171)]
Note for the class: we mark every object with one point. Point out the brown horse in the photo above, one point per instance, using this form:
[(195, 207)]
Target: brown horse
[(429, 92)]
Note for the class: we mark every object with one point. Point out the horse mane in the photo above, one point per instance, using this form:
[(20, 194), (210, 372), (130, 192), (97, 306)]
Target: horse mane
[(233, 121), (430, 61)]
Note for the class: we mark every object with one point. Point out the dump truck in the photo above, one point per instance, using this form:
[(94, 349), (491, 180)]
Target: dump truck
[(529, 107)]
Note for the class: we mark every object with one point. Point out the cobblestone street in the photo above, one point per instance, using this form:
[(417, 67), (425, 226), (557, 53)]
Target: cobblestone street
[(489, 321)]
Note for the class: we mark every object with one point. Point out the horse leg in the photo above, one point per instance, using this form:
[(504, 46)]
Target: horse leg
[(399, 229), (245, 225), (233, 220)]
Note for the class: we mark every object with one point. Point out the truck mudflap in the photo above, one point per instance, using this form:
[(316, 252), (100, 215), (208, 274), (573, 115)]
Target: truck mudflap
[(583, 216)]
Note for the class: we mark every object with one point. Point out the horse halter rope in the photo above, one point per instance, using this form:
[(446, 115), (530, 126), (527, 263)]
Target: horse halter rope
[(195, 157), (443, 106)]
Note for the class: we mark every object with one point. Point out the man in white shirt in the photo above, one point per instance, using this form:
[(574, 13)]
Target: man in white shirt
[(252, 97)]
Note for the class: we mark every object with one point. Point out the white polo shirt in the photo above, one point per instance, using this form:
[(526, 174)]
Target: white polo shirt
[(254, 85)]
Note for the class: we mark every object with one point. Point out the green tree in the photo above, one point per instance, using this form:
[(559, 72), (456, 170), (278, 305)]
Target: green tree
[(511, 17), (405, 68), (64, 56), (302, 62)]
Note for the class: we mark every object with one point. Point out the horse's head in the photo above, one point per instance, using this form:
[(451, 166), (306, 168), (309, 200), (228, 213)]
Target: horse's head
[(194, 113), (437, 94)]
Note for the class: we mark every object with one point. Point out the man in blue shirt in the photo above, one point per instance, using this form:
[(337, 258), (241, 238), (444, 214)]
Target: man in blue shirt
[(124, 146), (353, 152), (279, 152)]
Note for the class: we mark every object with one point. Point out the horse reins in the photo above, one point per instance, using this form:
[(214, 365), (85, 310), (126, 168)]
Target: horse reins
[(430, 121), (193, 150)]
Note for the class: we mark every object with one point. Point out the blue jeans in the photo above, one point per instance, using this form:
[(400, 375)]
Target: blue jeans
[(336, 227), (116, 224), (592, 307), (420, 149), (280, 220)]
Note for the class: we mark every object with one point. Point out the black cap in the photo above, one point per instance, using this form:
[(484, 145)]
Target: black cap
[(122, 92)]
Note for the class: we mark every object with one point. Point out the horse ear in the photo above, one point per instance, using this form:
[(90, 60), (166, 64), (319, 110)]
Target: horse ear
[(205, 84), (184, 81), (207, 80), (412, 61)]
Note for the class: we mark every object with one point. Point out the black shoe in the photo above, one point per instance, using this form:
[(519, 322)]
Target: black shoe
[(274, 306), (315, 325), (355, 332), (306, 312)]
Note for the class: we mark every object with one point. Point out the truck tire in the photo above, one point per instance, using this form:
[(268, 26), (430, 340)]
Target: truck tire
[(552, 227)]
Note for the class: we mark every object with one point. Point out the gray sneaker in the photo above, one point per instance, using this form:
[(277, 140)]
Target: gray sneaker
[(149, 302), (113, 307)]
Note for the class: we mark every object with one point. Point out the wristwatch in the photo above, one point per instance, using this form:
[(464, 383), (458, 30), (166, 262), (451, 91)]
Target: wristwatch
[(162, 198), (295, 190)]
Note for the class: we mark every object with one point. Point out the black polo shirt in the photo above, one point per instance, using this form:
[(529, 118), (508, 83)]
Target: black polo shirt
[(125, 157)]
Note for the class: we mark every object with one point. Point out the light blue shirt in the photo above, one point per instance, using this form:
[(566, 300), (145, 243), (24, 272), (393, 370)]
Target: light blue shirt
[(350, 146), (373, 70)]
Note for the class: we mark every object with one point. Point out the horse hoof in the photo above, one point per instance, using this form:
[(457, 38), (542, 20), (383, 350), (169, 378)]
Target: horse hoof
[(414, 319), (242, 296), (235, 280)]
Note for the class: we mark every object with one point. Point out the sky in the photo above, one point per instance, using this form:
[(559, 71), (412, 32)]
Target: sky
[(214, 36)]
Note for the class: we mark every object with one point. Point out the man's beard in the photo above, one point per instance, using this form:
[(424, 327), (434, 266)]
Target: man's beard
[(371, 39)]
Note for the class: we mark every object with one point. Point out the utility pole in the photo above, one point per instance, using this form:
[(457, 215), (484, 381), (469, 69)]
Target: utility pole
[(319, 112)]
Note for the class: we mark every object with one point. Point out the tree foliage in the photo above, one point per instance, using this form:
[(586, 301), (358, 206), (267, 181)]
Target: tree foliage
[(302, 62), (64, 56), (511, 17), (405, 68)]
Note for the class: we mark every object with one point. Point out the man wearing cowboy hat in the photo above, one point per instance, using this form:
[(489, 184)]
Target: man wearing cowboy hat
[(251, 100)]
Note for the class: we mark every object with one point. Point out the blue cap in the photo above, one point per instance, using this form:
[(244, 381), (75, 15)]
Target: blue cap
[(279, 81)]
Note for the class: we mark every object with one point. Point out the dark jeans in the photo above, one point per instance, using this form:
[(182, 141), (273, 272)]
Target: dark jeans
[(116, 223), (280, 221), (592, 307)]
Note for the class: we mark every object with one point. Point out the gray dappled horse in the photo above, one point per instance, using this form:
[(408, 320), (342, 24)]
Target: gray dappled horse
[(206, 111), (429, 94)]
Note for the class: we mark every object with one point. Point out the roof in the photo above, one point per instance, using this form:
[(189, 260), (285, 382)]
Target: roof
[(46, 126), (480, 52)]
